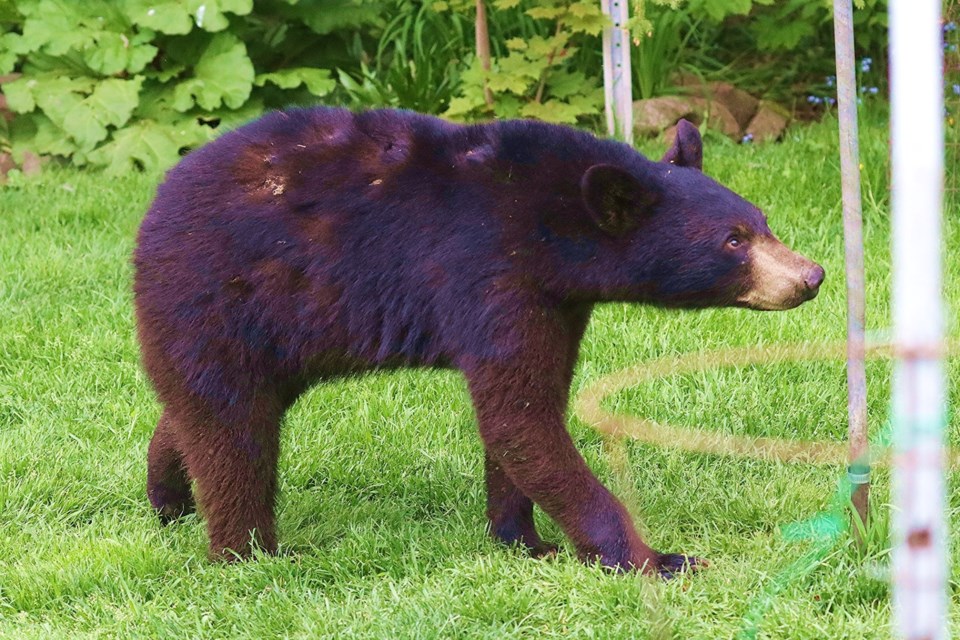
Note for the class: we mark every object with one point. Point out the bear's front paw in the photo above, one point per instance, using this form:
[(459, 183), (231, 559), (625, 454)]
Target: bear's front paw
[(670, 565)]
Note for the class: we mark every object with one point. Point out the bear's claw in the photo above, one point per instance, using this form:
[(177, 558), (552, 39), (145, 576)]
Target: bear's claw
[(543, 550), (670, 565)]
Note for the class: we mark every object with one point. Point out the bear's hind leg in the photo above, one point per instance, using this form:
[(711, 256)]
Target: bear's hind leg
[(168, 486), (235, 468), (511, 513)]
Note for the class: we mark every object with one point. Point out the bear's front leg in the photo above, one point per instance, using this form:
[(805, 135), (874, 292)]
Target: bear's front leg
[(520, 410)]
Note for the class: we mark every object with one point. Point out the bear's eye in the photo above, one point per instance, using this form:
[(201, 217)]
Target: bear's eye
[(733, 242)]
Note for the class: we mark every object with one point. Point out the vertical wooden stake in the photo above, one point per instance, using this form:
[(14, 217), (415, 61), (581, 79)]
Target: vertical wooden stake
[(859, 470), (482, 33), (616, 71)]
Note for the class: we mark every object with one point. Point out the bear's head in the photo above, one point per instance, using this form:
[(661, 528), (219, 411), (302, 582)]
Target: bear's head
[(687, 241)]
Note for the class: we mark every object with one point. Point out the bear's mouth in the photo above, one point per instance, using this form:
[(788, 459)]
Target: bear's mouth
[(780, 279)]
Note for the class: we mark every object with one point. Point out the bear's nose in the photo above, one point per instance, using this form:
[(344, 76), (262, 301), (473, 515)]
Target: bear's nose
[(814, 277)]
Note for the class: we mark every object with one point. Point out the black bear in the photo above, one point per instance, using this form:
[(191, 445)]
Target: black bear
[(316, 243)]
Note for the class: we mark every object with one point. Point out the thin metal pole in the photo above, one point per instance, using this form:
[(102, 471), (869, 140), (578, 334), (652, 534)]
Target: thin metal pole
[(616, 70), (921, 564), (859, 469)]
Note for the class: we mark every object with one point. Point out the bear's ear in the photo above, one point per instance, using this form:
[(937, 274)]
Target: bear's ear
[(687, 148), (615, 199)]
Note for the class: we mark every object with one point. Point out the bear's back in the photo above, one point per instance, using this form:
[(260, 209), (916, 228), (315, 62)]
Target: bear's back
[(383, 236)]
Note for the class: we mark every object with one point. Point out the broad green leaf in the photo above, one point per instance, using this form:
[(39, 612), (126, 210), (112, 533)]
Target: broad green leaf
[(146, 145), (506, 82), (9, 51), (515, 74), (167, 71), (26, 93), (114, 100), (589, 23), (505, 4), (563, 84), (474, 74), (86, 118), (552, 111), (586, 9), (318, 81), (231, 118), (19, 94), (140, 57), (35, 132), (547, 13), (209, 14), (516, 44), (178, 17), (540, 47), (113, 53), (165, 16), (460, 107), (222, 75), (326, 16), (507, 106), (156, 103), (53, 28), (8, 60), (590, 101), (8, 11)]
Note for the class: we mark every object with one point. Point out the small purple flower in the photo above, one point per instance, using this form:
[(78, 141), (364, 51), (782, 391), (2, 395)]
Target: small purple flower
[(873, 90), (747, 139), (865, 64), (950, 26), (831, 101), (831, 80), (956, 89), (814, 99)]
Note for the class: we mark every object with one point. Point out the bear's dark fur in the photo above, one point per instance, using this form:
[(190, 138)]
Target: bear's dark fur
[(318, 242)]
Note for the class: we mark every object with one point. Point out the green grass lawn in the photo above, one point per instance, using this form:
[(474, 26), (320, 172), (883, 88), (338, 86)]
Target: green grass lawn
[(381, 510)]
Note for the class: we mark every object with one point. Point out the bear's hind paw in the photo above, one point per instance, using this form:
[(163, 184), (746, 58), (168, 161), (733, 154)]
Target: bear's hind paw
[(171, 505)]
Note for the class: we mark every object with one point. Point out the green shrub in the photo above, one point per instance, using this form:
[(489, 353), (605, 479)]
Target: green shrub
[(779, 49), (131, 84), (416, 62), (535, 71)]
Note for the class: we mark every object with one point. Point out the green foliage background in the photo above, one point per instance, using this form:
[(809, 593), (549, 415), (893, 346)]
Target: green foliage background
[(133, 84)]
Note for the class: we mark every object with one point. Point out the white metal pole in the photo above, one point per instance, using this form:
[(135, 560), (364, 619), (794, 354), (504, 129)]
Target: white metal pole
[(616, 70), (859, 469), (920, 561)]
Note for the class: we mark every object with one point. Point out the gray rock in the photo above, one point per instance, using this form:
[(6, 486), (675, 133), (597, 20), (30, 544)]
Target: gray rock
[(741, 105), (718, 117), (769, 123), (653, 115)]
